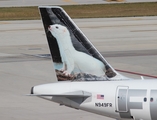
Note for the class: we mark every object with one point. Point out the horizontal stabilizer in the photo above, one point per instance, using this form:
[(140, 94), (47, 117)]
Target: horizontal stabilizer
[(69, 94)]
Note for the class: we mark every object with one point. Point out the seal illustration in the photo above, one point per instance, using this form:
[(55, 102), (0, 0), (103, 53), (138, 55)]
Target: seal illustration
[(73, 59)]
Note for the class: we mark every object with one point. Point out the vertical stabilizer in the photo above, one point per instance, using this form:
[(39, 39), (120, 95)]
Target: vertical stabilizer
[(73, 55)]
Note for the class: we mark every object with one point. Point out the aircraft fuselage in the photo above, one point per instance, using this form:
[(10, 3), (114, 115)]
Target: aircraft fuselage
[(133, 99)]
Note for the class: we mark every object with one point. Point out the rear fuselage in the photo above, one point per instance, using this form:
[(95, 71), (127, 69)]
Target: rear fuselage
[(133, 99)]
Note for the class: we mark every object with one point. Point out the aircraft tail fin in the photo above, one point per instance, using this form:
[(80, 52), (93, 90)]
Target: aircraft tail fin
[(73, 55)]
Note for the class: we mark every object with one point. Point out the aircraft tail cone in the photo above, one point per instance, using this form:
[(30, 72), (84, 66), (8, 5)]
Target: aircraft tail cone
[(32, 90)]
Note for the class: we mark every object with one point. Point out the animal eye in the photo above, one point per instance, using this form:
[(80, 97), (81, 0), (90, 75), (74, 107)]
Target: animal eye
[(57, 27)]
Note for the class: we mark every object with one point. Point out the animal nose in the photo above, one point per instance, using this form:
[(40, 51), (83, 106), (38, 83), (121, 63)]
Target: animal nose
[(49, 28)]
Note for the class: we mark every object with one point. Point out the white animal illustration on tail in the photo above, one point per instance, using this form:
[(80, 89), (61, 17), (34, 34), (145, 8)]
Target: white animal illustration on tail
[(73, 59)]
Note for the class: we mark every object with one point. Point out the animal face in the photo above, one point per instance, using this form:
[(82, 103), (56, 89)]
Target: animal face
[(58, 30)]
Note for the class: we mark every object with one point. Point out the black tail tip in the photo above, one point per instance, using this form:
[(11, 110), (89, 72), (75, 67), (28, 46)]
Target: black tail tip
[(32, 90)]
